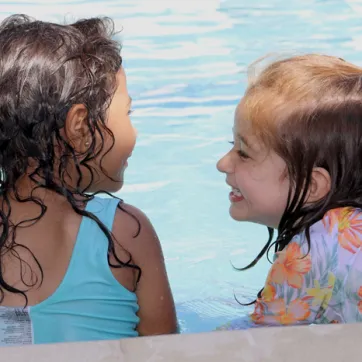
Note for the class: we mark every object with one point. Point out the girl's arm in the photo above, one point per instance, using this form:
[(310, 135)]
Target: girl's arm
[(300, 284), (156, 306)]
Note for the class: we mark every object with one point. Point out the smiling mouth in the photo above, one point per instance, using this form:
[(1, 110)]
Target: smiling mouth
[(236, 195)]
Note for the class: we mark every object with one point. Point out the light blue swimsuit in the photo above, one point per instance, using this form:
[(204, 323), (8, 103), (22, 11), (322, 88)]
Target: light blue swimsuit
[(89, 304)]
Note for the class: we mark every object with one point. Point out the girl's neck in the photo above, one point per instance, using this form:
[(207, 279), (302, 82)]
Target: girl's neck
[(28, 195)]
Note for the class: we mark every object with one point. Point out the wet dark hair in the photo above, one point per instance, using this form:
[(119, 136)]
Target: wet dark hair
[(308, 109), (45, 69)]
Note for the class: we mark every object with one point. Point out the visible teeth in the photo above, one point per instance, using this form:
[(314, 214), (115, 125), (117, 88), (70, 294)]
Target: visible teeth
[(237, 192)]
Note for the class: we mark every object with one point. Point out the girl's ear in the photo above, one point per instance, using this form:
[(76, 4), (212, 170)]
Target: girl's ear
[(320, 184), (76, 128)]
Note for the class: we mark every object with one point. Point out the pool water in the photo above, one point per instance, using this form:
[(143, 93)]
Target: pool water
[(186, 64)]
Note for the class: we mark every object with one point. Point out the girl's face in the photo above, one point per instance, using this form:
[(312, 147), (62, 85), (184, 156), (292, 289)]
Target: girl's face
[(257, 177), (118, 121)]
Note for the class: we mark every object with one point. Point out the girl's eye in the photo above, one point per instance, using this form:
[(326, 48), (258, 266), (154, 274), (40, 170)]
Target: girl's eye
[(130, 112), (241, 153)]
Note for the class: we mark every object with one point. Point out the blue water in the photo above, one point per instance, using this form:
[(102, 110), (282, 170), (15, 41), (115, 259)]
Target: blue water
[(186, 64)]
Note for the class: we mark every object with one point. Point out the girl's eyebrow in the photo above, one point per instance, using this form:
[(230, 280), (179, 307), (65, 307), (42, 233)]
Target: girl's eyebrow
[(129, 100), (243, 140)]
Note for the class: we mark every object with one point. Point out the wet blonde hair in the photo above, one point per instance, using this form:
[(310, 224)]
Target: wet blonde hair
[(308, 109)]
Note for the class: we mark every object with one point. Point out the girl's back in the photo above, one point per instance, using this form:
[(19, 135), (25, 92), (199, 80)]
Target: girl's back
[(80, 298)]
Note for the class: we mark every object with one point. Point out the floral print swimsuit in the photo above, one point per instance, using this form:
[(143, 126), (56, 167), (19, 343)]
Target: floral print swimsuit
[(323, 285)]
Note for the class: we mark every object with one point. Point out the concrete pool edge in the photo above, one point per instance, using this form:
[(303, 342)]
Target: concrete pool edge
[(312, 343)]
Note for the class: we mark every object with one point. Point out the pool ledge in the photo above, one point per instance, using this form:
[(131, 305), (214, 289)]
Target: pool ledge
[(314, 343)]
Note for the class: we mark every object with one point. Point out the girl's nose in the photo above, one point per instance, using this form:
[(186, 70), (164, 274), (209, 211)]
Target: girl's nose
[(225, 164)]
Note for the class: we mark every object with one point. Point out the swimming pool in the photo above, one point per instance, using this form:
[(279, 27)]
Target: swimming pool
[(186, 63)]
